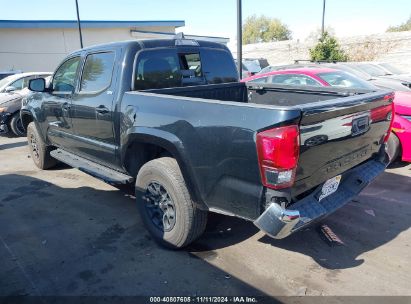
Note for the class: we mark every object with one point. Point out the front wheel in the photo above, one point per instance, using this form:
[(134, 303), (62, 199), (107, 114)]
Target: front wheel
[(16, 125), (165, 204), (39, 151)]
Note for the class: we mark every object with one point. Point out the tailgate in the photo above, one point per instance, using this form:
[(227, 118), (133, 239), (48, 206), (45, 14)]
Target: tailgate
[(336, 135)]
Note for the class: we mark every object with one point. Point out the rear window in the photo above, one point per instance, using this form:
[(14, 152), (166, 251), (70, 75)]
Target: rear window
[(344, 80), (157, 69), (218, 66), (167, 68)]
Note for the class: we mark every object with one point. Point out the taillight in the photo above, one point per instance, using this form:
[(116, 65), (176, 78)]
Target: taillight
[(278, 151)]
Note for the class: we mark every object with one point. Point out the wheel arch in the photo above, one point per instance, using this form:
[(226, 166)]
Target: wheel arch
[(144, 144)]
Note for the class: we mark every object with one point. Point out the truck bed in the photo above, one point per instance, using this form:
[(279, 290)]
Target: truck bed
[(218, 123)]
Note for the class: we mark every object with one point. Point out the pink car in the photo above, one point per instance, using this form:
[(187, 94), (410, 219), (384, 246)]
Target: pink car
[(400, 139)]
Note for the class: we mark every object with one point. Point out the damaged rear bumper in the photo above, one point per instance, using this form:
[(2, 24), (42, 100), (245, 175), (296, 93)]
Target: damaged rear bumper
[(279, 223)]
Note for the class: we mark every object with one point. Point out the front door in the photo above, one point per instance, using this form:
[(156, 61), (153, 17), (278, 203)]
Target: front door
[(92, 108), (57, 104)]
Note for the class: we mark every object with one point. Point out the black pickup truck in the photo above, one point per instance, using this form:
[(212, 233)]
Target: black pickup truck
[(171, 117)]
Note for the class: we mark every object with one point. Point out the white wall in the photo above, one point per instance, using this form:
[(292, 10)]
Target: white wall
[(43, 49)]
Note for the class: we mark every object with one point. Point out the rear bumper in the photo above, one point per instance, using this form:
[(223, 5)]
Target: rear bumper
[(279, 223)]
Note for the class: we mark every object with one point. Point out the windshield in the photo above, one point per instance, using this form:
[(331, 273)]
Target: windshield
[(393, 70), (345, 80), (252, 65), (373, 70)]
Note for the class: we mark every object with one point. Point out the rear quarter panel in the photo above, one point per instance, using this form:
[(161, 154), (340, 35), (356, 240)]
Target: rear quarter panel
[(214, 143)]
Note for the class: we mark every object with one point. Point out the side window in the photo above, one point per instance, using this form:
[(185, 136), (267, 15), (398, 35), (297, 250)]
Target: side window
[(18, 84), (157, 69), (294, 79), (65, 76), (26, 81), (192, 63), (259, 80), (97, 72)]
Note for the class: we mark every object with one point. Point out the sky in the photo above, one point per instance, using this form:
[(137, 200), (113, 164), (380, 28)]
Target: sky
[(218, 17)]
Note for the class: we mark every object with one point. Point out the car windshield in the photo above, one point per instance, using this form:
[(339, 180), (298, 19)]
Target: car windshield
[(373, 70), (344, 80), (252, 65), (393, 70)]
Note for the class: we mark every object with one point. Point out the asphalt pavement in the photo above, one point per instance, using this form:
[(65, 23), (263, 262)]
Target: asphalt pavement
[(63, 232)]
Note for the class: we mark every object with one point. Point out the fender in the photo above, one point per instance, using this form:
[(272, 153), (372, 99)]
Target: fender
[(173, 145), (29, 112)]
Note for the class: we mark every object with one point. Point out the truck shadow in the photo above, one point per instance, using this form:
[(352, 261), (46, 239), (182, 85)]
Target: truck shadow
[(84, 241), (376, 217), (13, 145)]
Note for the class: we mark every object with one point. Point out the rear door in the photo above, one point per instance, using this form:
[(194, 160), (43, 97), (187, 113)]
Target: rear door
[(92, 107)]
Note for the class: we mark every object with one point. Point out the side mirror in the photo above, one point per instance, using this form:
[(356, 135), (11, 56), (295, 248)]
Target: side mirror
[(37, 85), (9, 89)]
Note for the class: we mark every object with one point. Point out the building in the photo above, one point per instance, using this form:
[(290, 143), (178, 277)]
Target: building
[(33, 45)]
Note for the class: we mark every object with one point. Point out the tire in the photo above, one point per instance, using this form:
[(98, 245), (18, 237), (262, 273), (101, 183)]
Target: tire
[(39, 151), (16, 125), (160, 181), (393, 147)]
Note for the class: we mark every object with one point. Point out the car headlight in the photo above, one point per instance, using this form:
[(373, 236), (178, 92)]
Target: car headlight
[(407, 117), (3, 109)]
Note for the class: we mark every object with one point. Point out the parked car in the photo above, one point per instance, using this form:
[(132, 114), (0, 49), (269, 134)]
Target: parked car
[(354, 68), (12, 90), (392, 69), (128, 112), (393, 72), (4, 74), (312, 76), (249, 68), (399, 141), (19, 81), (262, 62), (380, 73)]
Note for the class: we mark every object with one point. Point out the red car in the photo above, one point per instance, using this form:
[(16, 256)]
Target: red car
[(402, 126), (398, 143)]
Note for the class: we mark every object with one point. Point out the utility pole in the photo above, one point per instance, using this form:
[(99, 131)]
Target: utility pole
[(79, 26), (323, 22), (239, 38)]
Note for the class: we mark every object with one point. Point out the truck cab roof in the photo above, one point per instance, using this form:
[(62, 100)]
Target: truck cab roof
[(155, 43)]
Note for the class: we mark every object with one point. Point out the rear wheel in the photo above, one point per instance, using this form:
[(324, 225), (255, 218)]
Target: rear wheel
[(39, 151), (165, 204), (16, 125), (393, 147)]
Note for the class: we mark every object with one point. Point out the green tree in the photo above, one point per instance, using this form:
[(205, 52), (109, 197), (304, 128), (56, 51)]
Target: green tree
[(406, 26), (328, 48), (264, 29)]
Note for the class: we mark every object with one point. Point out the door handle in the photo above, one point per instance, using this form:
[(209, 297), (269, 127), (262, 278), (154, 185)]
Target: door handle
[(102, 109)]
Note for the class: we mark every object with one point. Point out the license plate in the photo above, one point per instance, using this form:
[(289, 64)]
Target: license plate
[(330, 187)]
